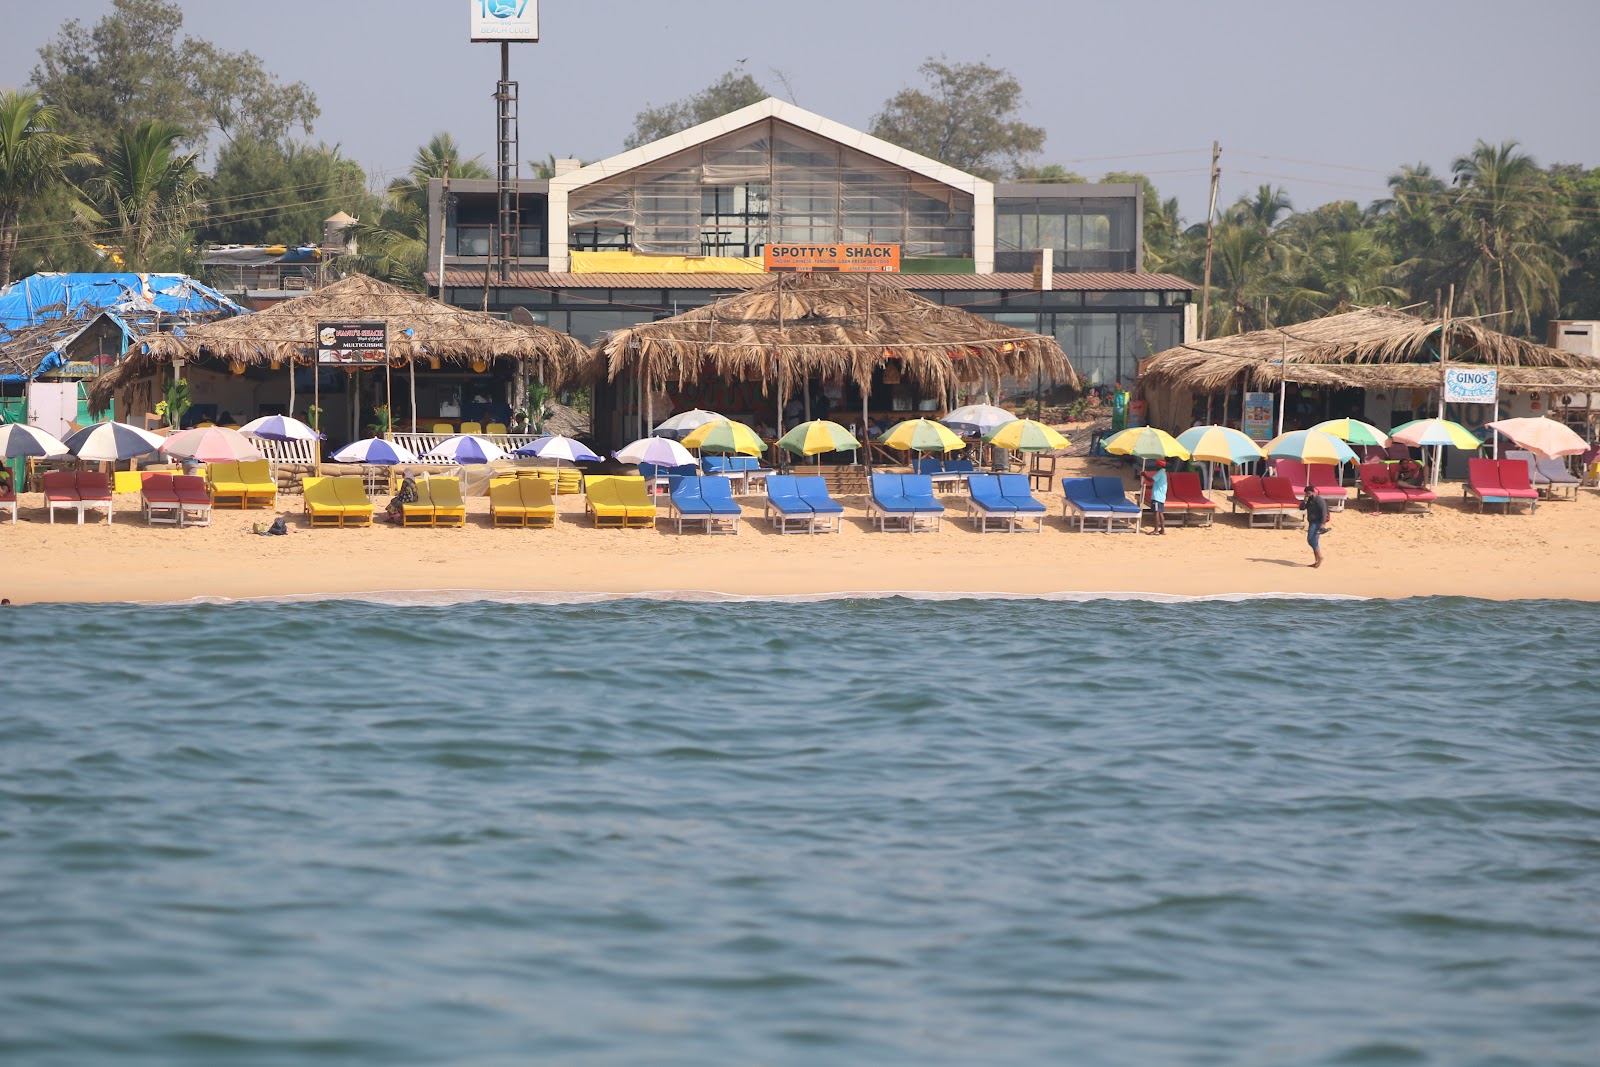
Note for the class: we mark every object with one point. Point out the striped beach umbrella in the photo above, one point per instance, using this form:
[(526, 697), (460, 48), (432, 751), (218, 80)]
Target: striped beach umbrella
[(108, 442), (374, 450), (1310, 446), (661, 451), (1541, 436), (726, 435), (686, 422), (1145, 442), (818, 436), (21, 439), (1219, 444), (558, 448), (280, 428), (466, 448), (1026, 435), (210, 444), (922, 435), (978, 418), (1426, 433), (1355, 432)]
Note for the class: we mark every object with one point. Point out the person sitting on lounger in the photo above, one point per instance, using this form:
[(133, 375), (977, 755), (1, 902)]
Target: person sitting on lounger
[(5, 479), (1409, 472), (406, 495)]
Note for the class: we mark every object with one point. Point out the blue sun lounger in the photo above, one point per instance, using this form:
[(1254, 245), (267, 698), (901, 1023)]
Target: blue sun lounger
[(827, 514), (1125, 514), (707, 500), (1014, 487), (904, 497), (987, 504), (784, 506), (1078, 501)]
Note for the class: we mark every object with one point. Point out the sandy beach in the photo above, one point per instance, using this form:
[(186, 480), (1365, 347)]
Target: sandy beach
[(1454, 551)]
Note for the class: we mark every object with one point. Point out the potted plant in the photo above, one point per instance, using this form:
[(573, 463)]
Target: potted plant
[(314, 417), (382, 421)]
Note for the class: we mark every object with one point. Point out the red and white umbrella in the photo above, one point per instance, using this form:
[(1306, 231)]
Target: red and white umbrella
[(1545, 438), (211, 444)]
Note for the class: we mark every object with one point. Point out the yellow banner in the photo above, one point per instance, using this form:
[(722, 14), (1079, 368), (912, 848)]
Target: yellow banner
[(635, 263)]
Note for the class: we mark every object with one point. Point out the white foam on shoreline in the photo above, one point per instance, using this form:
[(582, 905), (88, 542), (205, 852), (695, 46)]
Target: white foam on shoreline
[(452, 597)]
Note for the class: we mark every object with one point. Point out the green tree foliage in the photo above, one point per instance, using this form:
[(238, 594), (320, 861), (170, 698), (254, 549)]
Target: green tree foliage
[(132, 67), (966, 118), (732, 91), (1161, 223), (1577, 191), (34, 159), (1506, 212), (394, 243), (266, 192), (1049, 173), (148, 192)]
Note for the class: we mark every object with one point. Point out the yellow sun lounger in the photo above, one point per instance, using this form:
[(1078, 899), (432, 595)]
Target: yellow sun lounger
[(505, 502), (633, 495), (538, 501), (227, 486), (420, 511), (260, 487), (601, 500), (448, 507), (322, 503), (353, 495)]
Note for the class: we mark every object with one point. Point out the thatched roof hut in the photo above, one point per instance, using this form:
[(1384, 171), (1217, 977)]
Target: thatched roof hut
[(832, 327), (1371, 348), (289, 330)]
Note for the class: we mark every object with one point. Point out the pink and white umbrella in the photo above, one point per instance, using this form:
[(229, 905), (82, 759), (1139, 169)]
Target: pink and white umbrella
[(211, 444), (1545, 438)]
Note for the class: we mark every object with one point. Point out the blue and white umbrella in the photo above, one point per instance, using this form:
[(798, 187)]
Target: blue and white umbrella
[(978, 418), (657, 450), (558, 448), (466, 448), (108, 442), (280, 428), (686, 422), (21, 439), (374, 450)]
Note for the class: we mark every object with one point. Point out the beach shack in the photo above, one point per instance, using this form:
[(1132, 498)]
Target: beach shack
[(1380, 365)]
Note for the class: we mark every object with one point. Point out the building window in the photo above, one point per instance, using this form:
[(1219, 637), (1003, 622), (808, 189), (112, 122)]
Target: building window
[(1084, 233)]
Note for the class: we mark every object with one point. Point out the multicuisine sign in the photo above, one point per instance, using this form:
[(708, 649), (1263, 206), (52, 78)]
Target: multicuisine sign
[(505, 20), (359, 343), (833, 259)]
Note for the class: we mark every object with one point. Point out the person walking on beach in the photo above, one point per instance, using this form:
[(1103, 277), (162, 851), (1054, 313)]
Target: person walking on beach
[(1316, 510), (1158, 497)]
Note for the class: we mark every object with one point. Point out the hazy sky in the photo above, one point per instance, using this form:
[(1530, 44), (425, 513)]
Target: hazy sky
[(1325, 98)]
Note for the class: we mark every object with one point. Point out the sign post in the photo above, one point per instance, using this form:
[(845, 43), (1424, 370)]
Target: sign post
[(831, 259), (1474, 385), (359, 344), (1257, 424)]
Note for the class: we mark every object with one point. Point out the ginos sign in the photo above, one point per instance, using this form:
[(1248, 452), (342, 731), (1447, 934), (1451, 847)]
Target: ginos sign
[(834, 259)]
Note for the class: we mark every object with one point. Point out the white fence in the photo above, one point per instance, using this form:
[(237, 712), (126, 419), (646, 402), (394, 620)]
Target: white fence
[(424, 442)]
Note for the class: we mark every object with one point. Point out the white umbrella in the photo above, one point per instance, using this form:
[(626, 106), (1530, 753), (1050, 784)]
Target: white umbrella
[(658, 450), (108, 442), (211, 444), (280, 428), (686, 422), (978, 418), (21, 439), (558, 448), (466, 448), (374, 450)]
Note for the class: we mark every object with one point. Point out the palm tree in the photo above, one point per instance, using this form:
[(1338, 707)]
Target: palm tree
[(1506, 212), (440, 156), (33, 163), (149, 190), (1342, 268), (394, 246)]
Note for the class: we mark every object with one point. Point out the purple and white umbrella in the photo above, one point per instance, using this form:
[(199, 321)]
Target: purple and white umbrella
[(21, 439), (374, 450), (466, 448), (657, 450), (280, 428), (108, 442), (558, 448), (686, 422), (211, 444)]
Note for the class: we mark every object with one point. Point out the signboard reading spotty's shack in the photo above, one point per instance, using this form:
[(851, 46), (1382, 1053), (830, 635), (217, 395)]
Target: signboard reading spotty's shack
[(832, 259), (505, 20)]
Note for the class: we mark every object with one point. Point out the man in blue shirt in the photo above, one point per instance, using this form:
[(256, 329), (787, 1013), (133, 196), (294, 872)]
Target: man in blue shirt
[(1158, 497)]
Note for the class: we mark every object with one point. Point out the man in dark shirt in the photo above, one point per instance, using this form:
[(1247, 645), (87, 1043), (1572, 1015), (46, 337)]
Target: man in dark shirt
[(1316, 510)]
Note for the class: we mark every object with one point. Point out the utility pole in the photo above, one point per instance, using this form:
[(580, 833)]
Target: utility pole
[(1211, 219), (510, 224)]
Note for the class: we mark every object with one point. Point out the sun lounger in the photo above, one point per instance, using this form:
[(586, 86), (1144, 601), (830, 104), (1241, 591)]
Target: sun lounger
[(94, 491), (601, 502), (1014, 487), (1280, 490), (657, 475), (907, 498), (1079, 500), (705, 499), (1323, 479), (1125, 514), (227, 486), (986, 504), (685, 503), (194, 499), (1377, 485), (827, 514), (8, 502), (1483, 483), (927, 514), (1516, 481), (322, 504), (420, 511), (1548, 475), (352, 493), (159, 500), (260, 487), (1185, 497), (448, 507), (538, 502), (1294, 472), (784, 507), (61, 493), (1260, 509), (640, 509), (505, 502)]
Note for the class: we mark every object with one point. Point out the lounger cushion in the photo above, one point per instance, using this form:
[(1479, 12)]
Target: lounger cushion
[(888, 494), (1114, 496), (1081, 495), (1014, 487), (813, 491), (985, 490)]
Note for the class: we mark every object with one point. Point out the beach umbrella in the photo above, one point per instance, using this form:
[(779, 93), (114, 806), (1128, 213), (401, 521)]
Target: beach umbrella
[(978, 418), (922, 435), (558, 448), (1427, 433), (374, 450), (21, 439), (686, 422), (1543, 437), (1309, 446), (108, 442), (1026, 435), (466, 448), (726, 435), (818, 436), (280, 428), (211, 444), (1219, 444), (661, 451), (1355, 432), (1145, 442)]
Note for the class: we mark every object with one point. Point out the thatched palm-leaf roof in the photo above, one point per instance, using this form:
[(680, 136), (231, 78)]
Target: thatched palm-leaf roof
[(832, 327), (289, 330)]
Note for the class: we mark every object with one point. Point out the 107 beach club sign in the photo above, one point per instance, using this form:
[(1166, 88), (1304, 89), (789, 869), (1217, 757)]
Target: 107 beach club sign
[(1471, 385), (361, 344)]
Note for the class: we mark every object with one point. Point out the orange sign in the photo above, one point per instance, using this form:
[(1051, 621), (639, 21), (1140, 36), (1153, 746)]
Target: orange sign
[(833, 259)]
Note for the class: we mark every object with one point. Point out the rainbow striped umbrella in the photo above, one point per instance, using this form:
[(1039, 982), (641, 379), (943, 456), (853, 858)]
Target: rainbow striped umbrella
[(1145, 442), (1426, 433), (1355, 432), (818, 436), (922, 435), (1026, 435), (1219, 444), (725, 435), (1309, 446)]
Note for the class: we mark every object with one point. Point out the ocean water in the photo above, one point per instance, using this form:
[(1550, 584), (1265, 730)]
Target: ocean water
[(862, 831)]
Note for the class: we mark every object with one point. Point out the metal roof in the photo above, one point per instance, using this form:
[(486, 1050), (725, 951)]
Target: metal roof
[(472, 278)]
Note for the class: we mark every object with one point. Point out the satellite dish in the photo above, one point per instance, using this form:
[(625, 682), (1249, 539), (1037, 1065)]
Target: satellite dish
[(522, 317)]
